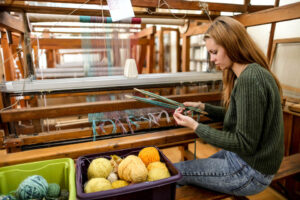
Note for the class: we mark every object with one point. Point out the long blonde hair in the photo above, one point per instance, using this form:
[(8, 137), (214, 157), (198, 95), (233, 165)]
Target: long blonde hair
[(240, 48)]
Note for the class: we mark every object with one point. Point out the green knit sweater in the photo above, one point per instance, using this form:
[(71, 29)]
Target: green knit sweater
[(253, 122)]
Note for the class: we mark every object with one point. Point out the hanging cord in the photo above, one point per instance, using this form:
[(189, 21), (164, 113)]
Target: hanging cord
[(166, 114), (164, 2), (204, 7), (133, 122), (108, 120), (129, 119), (152, 118), (102, 13), (117, 121), (129, 124), (94, 130), (169, 8), (142, 118), (47, 119)]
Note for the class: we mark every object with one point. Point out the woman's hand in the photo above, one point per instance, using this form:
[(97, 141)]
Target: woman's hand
[(184, 120), (195, 104)]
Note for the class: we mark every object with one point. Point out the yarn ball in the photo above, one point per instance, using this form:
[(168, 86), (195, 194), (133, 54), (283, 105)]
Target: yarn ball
[(157, 164), (119, 184), (53, 190), (112, 177), (7, 197), (33, 187), (149, 155), (157, 174), (99, 168), (115, 161), (132, 169), (97, 184)]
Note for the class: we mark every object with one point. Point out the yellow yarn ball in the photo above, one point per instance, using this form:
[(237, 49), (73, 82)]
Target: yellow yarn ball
[(119, 184), (97, 184), (157, 164), (132, 169), (99, 168), (115, 161), (157, 174), (149, 155)]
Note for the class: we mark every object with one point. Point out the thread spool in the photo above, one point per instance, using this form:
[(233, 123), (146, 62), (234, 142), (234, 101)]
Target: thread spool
[(130, 69)]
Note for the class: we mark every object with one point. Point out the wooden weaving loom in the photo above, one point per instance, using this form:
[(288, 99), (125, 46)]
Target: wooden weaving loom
[(27, 139)]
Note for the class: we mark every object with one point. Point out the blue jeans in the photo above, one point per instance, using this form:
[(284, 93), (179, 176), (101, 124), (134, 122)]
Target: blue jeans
[(224, 172)]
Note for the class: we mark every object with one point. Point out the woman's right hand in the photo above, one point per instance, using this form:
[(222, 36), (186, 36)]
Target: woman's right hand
[(198, 104)]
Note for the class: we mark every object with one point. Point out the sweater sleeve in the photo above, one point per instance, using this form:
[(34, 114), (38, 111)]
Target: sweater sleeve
[(215, 112), (249, 105)]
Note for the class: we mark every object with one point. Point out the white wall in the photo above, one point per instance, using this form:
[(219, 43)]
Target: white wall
[(260, 34), (286, 29)]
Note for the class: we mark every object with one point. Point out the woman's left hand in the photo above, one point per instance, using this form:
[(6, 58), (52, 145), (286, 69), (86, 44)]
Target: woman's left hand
[(184, 120)]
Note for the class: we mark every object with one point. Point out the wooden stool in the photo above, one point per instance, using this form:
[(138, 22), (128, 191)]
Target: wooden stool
[(188, 192)]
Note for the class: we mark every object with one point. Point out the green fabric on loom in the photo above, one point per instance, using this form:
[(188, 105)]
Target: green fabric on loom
[(33, 187), (253, 123), (109, 20), (85, 19)]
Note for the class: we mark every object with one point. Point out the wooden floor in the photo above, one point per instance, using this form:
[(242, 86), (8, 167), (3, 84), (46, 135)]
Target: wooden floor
[(204, 151)]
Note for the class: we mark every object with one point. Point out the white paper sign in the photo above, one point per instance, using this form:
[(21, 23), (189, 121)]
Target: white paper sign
[(120, 9)]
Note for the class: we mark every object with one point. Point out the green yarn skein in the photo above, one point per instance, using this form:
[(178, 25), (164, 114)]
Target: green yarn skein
[(33, 187), (7, 197), (53, 191), (64, 195)]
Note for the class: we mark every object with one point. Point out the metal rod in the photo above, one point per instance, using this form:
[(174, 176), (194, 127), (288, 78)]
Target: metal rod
[(97, 19)]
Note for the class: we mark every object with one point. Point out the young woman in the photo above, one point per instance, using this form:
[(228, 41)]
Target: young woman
[(252, 135)]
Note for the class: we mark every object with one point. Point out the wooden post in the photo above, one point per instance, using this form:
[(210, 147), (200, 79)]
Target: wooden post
[(246, 4), (141, 60), (1, 60), (178, 50), (185, 54), (8, 58), (50, 58), (150, 52), (19, 62), (271, 37), (36, 56), (28, 64), (57, 56), (161, 61)]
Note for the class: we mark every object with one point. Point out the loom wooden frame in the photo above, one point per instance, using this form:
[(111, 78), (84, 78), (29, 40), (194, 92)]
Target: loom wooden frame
[(273, 51)]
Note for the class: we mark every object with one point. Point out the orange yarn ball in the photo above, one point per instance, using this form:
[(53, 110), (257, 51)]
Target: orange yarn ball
[(149, 155)]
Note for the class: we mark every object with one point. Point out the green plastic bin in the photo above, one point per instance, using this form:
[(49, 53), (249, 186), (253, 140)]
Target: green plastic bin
[(60, 171)]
